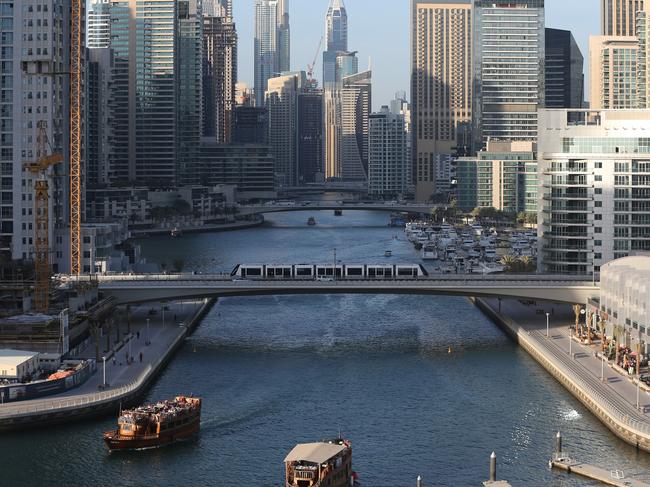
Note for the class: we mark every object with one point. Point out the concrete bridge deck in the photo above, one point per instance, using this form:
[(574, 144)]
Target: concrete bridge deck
[(144, 288), (333, 205)]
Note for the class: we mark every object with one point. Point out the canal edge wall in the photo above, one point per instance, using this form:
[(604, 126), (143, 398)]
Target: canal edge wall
[(127, 395), (623, 430)]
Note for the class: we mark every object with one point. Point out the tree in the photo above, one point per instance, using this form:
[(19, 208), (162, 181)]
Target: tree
[(576, 310), (509, 262)]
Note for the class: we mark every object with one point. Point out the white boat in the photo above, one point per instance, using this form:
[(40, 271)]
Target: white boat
[(429, 252), (388, 253)]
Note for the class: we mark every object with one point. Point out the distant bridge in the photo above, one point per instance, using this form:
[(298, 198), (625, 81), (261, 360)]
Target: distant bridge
[(132, 289), (332, 205)]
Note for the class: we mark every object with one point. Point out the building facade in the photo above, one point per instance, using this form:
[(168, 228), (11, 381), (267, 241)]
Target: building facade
[(33, 41), (501, 177), (250, 125), (441, 86), (356, 103), (564, 70), (508, 69), (189, 73), (219, 76), (594, 204), (389, 159), (618, 17), (272, 43), (282, 107), (643, 57), (310, 136), (613, 72)]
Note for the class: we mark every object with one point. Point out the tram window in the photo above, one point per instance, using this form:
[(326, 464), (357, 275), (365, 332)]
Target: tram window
[(371, 272), (254, 272), (355, 271)]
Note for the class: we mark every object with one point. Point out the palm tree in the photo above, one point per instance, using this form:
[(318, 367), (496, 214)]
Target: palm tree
[(509, 262), (527, 263), (603, 327), (617, 333), (576, 309)]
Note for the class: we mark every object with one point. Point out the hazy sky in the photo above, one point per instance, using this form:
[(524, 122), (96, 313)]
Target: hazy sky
[(379, 30)]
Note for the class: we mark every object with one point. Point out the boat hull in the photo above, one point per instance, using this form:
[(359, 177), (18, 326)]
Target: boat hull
[(116, 442)]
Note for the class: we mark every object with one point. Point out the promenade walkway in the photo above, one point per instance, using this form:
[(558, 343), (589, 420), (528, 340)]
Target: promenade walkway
[(615, 392), (119, 374)]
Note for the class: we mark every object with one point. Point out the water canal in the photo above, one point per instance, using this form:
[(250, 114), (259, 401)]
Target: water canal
[(274, 371)]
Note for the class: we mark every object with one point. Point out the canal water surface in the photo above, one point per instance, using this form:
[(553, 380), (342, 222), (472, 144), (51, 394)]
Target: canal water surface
[(275, 371)]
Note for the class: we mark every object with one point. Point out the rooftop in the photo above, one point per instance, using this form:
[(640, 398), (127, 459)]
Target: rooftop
[(15, 357), (314, 452)]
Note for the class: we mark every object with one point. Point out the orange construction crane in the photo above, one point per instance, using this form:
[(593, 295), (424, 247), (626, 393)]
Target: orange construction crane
[(76, 89), (42, 218), (310, 67)]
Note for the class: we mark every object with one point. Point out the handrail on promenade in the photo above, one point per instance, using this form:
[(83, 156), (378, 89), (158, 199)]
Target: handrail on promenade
[(96, 398), (560, 362)]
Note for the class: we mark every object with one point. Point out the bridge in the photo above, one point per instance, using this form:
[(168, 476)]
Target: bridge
[(334, 205), (134, 289)]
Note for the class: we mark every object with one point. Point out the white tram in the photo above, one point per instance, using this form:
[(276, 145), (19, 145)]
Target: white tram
[(319, 271)]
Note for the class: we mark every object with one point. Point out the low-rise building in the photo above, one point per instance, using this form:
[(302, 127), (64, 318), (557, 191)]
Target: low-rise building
[(625, 298), (17, 364)]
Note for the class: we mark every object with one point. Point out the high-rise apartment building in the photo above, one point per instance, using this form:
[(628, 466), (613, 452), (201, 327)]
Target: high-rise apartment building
[(356, 103), (34, 39), (564, 65), (250, 125), (509, 69), (99, 120), (219, 76), (618, 17), (282, 106), (613, 72), (144, 39), (441, 86), (594, 203), (272, 43), (643, 57), (284, 37), (98, 24), (310, 136), (389, 158)]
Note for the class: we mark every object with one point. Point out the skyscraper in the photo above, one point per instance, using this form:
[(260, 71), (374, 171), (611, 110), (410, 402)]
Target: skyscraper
[(389, 159), (643, 57), (564, 64), (356, 103), (98, 21), (189, 90), (618, 17), (157, 48), (509, 69), (282, 106), (613, 71), (272, 43), (33, 40), (441, 86), (219, 76), (284, 37), (336, 33), (310, 135)]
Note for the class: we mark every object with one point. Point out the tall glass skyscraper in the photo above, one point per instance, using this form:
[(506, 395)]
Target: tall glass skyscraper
[(508, 69), (272, 43), (336, 33)]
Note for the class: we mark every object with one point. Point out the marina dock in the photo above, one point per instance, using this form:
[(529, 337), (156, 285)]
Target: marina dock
[(616, 478)]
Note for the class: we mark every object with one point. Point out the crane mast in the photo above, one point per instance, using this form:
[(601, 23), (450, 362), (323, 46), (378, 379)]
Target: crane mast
[(76, 48)]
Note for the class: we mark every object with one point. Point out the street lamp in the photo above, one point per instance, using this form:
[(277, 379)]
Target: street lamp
[(163, 314), (104, 360), (148, 341), (547, 316), (130, 340), (334, 266), (638, 382), (602, 366), (570, 342)]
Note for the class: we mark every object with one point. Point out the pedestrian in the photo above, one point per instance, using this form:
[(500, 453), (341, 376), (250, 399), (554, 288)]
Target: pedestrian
[(114, 360), (127, 357), (140, 357)]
